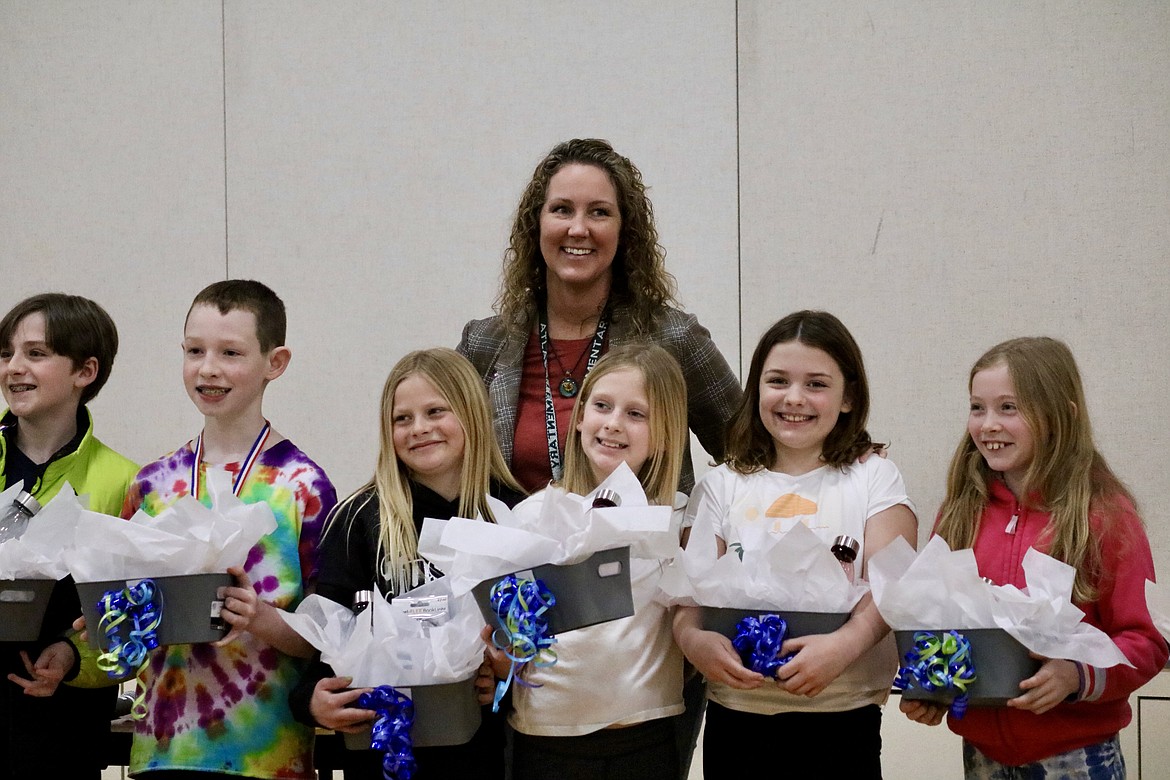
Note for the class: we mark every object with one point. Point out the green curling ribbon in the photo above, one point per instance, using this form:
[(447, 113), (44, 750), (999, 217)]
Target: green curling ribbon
[(939, 663), (130, 618), (519, 605)]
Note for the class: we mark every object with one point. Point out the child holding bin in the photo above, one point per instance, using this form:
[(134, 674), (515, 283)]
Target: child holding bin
[(796, 452), (603, 711), (1027, 474), (222, 710), (438, 458)]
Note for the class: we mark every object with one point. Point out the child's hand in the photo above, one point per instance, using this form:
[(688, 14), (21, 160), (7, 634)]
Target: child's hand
[(331, 705), (496, 658), (79, 627), (820, 659), (923, 711), (485, 682), (713, 655), (46, 674), (241, 606), (1052, 684)]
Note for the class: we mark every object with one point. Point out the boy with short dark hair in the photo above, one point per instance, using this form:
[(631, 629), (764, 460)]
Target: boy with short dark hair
[(56, 352), (223, 709)]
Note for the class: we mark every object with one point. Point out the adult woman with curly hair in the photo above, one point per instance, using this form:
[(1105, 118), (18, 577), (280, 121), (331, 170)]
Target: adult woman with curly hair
[(583, 272)]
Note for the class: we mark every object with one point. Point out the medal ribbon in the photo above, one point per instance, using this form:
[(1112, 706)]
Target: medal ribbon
[(245, 466), (550, 413)]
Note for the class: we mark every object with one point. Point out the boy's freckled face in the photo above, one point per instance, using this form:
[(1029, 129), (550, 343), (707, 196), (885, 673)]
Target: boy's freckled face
[(224, 369), (38, 384)]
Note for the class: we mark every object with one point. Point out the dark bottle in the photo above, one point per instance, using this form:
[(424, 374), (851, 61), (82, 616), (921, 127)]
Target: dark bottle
[(845, 549), (606, 498), (14, 519)]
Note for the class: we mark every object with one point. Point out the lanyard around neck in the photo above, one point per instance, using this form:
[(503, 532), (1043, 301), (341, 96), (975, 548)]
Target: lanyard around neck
[(550, 412), (245, 466)]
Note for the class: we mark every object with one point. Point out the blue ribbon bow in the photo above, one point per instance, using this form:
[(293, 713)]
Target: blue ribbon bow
[(391, 731), (520, 605), (939, 663), (758, 640), (130, 618)]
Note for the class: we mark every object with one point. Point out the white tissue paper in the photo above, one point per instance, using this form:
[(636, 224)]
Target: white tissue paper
[(186, 538), (1158, 602), (941, 589), (796, 572), (382, 645), (565, 530), (39, 553)]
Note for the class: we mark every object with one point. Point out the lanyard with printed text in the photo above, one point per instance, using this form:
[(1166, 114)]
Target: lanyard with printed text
[(550, 413)]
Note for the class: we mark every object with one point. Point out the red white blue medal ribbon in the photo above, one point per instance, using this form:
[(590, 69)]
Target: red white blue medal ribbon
[(245, 466)]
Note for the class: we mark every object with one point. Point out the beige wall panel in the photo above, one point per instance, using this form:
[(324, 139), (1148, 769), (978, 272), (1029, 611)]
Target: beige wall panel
[(376, 152), (111, 163), (944, 176)]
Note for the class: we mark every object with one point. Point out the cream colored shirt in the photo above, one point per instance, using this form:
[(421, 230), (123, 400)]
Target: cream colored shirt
[(622, 672)]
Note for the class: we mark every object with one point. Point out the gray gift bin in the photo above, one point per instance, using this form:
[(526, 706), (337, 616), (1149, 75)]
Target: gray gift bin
[(596, 590), (725, 619), (22, 608), (190, 607), (444, 714), (1000, 664)]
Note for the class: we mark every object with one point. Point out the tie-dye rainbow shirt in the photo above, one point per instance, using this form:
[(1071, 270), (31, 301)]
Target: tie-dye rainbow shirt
[(225, 709)]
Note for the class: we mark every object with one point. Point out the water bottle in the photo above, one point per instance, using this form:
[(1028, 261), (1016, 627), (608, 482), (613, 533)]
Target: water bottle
[(845, 549), (14, 519)]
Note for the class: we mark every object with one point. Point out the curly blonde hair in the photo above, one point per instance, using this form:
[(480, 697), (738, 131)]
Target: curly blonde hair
[(640, 279)]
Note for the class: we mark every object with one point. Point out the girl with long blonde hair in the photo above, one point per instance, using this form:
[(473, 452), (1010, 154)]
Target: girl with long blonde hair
[(1027, 474), (437, 458)]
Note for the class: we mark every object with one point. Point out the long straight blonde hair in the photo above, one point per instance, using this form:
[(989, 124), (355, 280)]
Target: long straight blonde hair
[(457, 381), (1067, 477), (666, 393)]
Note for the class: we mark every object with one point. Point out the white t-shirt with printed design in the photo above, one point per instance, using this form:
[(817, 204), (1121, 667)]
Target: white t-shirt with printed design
[(830, 502)]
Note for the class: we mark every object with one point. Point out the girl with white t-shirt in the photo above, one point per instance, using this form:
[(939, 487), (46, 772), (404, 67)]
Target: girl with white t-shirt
[(794, 450)]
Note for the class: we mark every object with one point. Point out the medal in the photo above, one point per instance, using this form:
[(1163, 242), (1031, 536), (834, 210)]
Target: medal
[(568, 387)]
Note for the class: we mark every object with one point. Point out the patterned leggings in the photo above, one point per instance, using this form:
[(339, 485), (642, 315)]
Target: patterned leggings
[(1102, 761)]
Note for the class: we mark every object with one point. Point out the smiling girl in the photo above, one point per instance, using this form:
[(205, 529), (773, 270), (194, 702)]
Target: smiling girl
[(1027, 474), (438, 458), (794, 456), (603, 711)]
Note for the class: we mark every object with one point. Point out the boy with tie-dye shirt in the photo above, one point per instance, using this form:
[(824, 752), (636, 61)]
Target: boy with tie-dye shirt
[(222, 709)]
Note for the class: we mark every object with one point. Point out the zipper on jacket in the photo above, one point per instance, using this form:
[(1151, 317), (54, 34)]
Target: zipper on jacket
[(1011, 526)]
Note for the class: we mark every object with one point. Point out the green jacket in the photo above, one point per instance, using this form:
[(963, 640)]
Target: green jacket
[(92, 469), (96, 470)]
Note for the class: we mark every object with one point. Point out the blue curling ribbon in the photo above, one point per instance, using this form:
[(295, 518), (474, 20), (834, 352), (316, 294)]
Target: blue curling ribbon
[(520, 605), (391, 731), (130, 618), (939, 663), (758, 640)]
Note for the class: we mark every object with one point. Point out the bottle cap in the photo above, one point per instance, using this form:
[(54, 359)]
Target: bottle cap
[(362, 599), (845, 548), (27, 503), (607, 497)]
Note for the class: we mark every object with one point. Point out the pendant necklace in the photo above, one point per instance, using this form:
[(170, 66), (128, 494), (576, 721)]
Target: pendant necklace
[(567, 387)]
